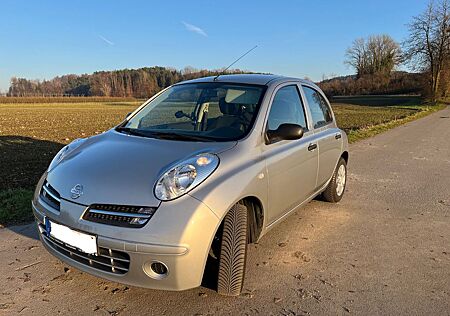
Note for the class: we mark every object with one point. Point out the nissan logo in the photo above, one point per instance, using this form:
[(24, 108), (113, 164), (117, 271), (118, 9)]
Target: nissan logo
[(77, 191)]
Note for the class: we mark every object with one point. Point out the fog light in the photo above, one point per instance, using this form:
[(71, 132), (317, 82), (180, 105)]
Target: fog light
[(156, 270), (159, 268)]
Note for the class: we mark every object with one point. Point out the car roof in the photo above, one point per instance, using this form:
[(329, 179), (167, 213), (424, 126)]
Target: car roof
[(258, 79)]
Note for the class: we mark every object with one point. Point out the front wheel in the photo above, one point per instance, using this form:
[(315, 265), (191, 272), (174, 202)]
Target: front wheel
[(233, 251), (335, 189)]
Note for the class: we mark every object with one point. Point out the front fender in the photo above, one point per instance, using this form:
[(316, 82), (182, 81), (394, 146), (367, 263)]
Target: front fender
[(241, 173)]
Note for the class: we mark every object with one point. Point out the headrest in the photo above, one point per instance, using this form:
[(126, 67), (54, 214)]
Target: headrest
[(228, 108)]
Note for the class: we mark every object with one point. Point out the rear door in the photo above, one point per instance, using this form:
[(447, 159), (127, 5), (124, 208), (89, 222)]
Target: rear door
[(328, 135), (291, 164)]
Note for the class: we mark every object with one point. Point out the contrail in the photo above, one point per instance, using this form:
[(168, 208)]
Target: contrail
[(107, 41)]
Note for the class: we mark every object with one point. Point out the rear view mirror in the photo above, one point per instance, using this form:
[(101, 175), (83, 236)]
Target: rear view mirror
[(179, 114), (285, 131)]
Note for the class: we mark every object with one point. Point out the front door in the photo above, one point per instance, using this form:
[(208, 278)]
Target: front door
[(291, 164)]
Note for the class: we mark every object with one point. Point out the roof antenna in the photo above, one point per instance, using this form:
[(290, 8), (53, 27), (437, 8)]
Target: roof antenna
[(223, 71)]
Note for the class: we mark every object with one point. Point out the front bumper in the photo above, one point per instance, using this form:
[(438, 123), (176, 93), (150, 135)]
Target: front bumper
[(178, 235)]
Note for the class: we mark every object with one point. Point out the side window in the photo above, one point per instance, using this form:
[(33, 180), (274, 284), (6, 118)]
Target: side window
[(320, 112), (286, 108)]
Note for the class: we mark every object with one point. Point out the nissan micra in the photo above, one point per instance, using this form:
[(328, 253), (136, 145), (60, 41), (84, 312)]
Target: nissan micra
[(191, 177)]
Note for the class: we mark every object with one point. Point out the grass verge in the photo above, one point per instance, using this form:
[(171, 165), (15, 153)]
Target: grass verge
[(369, 131), (15, 207)]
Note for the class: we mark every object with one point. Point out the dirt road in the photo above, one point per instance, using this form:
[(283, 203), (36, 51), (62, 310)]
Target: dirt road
[(385, 249)]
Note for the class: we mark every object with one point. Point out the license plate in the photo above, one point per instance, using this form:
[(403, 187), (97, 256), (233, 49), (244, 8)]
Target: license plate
[(81, 241)]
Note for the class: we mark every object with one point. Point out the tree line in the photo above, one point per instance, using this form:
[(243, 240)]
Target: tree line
[(136, 83)]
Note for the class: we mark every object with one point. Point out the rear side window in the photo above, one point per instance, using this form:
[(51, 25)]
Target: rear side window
[(320, 111), (286, 108)]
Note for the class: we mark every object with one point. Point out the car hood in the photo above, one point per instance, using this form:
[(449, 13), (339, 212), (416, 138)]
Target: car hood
[(115, 168)]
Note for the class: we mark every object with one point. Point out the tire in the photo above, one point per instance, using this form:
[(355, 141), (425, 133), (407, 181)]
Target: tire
[(335, 189), (233, 252)]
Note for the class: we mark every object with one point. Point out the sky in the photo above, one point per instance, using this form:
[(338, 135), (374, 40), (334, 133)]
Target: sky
[(303, 38)]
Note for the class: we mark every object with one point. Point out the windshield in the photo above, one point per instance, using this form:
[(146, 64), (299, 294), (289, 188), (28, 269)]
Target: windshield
[(199, 111)]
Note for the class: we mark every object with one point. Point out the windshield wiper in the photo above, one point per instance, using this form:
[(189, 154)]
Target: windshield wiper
[(163, 135), (181, 136), (132, 131)]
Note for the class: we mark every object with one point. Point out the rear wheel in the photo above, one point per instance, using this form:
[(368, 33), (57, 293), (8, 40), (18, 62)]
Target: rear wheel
[(335, 189), (233, 251)]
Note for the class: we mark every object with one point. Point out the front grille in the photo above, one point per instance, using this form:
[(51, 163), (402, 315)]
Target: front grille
[(119, 215), (107, 260), (50, 196)]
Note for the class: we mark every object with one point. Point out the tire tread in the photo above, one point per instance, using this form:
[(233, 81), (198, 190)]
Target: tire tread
[(233, 251)]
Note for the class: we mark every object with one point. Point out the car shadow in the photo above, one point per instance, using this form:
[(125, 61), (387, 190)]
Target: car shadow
[(23, 161), (27, 230)]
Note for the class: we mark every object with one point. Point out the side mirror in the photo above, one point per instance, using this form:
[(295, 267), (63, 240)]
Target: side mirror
[(285, 132)]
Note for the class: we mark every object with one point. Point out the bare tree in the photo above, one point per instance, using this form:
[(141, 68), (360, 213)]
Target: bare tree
[(376, 55), (427, 46), (356, 56)]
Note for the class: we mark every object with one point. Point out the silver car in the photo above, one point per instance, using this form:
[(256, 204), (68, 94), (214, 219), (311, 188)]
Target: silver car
[(189, 179)]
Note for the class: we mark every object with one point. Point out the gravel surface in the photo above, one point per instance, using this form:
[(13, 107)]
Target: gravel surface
[(384, 249)]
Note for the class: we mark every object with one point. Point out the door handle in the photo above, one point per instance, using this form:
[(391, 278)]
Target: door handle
[(338, 136), (312, 147)]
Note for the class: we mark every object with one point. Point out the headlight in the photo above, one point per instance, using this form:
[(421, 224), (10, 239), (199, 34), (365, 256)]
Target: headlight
[(64, 152), (185, 176)]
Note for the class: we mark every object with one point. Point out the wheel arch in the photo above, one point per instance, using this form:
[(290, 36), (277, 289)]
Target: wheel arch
[(255, 209), (256, 217), (345, 156)]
